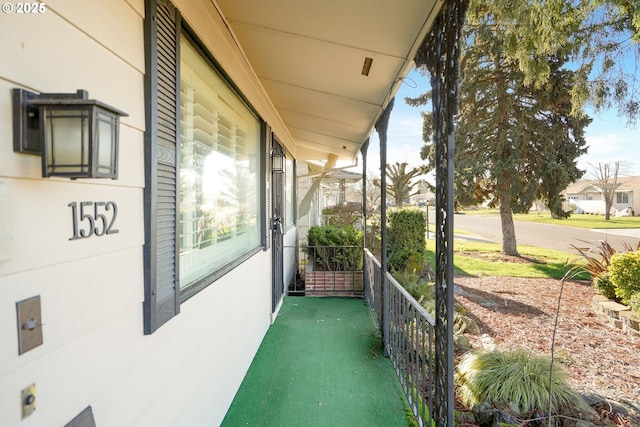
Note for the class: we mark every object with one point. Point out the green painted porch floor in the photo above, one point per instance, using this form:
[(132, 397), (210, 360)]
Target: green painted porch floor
[(320, 365)]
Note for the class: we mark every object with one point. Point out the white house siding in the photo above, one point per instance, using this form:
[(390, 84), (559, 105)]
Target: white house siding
[(94, 351), (588, 206), (290, 242), (596, 205)]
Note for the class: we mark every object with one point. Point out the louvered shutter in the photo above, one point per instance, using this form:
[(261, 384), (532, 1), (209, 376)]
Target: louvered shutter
[(162, 299), (266, 184)]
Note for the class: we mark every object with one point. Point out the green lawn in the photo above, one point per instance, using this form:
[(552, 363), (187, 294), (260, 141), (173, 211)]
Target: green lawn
[(582, 221), (484, 259)]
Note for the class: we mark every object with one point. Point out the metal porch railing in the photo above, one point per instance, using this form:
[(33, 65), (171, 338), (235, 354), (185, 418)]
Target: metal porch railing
[(408, 329), (409, 337)]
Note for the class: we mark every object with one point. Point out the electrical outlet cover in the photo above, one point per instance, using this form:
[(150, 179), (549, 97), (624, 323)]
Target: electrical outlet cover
[(29, 324)]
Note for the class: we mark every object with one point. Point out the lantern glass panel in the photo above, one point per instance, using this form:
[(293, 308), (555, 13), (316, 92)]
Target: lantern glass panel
[(106, 145), (66, 136), (278, 162)]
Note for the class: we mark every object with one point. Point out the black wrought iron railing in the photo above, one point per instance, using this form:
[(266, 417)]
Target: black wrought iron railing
[(409, 337), (407, 328)]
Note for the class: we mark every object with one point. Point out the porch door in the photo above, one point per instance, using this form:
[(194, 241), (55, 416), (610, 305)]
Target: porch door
[(277, 221)]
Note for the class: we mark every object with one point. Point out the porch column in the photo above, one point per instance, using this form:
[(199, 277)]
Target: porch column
[(363, 152), (440, 53), (381, 127)]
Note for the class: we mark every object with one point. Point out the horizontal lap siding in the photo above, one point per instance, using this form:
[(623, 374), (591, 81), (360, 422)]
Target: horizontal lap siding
[(91, 289)]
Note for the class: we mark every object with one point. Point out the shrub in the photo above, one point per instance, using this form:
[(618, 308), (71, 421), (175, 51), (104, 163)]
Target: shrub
[(406, 245), (515, 379), (598, 258), (335, 247), (405, 259), (603, 285), (634, 303), (417, 288), (407, 279), (625, 274), (373, 240)]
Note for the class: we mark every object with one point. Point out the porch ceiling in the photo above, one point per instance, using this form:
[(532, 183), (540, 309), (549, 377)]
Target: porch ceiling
[(309, 57)]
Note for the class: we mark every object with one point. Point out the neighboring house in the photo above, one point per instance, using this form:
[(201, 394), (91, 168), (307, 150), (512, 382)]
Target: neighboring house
[(334, 188), (157, 287), (341, 187), (584, 196)]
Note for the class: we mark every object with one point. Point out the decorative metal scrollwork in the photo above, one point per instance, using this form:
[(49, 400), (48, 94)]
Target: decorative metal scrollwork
[(440, 53)]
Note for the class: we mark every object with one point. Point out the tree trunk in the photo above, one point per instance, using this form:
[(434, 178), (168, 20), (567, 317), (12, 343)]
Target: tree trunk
[(503, 181), (509, 246)]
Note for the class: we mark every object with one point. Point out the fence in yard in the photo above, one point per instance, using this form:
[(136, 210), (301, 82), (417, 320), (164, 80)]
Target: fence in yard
[(409, 337)]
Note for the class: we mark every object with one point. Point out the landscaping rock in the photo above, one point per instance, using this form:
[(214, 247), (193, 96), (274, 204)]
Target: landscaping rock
[(471, 327), (489, 304), (462, 342), (579, 423), (487, 415), (487, 342), (483, 412), (541, 419), (599, 298), (613, 309), (630, 323), (617, 315), (583, 412), (465, 418), (503, 419)]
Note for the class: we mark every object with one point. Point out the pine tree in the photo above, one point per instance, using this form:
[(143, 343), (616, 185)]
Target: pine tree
[(518, 136)]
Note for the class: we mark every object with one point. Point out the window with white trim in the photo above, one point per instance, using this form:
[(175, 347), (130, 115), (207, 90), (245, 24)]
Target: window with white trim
[(622, 198)]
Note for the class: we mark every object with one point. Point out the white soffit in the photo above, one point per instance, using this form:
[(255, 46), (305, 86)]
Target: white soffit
[(309, 57)]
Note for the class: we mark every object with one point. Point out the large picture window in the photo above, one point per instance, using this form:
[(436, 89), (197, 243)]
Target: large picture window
[(219, 180)]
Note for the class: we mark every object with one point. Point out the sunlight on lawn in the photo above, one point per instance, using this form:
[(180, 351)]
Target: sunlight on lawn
[(485, 259), (581, 221)]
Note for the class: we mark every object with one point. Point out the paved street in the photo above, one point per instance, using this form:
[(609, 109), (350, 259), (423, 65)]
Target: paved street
[(549, 236)]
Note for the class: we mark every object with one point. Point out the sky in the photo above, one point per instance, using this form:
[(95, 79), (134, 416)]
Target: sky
[(608, 137)]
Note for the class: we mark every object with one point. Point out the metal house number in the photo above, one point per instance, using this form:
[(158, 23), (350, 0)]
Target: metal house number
[(93, 219)]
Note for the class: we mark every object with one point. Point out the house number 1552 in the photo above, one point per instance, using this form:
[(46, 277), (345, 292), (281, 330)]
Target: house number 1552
[(93, 219)]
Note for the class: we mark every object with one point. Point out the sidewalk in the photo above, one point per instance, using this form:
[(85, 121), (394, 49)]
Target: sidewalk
[(629, 232)]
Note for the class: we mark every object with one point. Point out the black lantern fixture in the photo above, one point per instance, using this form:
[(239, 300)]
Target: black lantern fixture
[(77, 137), (277, 161)]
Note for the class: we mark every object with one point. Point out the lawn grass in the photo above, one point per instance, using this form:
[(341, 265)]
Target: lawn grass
[(485, 259), (576, 220), (584, 221)]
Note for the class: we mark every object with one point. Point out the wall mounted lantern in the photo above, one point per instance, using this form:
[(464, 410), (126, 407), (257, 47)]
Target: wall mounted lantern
[(277, 162), (77, 137)]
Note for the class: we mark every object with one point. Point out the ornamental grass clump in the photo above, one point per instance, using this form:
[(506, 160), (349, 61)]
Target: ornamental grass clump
[(515, 379)]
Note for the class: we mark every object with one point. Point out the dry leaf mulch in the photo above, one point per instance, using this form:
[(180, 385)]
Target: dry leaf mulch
[(602, 362)]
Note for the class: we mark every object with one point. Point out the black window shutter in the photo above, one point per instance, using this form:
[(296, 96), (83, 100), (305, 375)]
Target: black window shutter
[(162, 35)]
